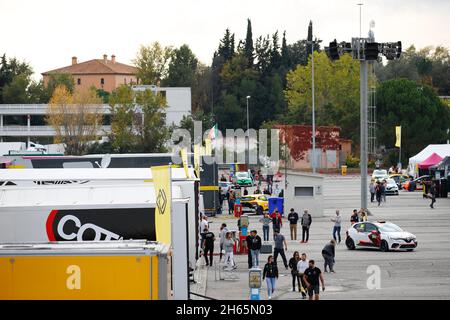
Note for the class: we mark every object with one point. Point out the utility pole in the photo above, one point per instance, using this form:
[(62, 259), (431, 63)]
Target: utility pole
[(313, 154), (363, 131)]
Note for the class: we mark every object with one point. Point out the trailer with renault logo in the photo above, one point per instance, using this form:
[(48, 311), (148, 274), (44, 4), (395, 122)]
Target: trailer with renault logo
[(98, 205)]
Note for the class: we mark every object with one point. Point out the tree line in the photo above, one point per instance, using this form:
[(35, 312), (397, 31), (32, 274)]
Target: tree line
[(277, 77)]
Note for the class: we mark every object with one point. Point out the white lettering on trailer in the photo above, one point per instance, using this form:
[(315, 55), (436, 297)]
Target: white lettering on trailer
[(73, 282), (82, 228)]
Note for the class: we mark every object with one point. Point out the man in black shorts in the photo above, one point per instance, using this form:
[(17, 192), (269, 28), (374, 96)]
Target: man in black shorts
[(311, 278)]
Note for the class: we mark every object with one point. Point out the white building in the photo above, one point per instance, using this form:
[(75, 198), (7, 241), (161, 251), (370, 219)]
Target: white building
[(25, 122)]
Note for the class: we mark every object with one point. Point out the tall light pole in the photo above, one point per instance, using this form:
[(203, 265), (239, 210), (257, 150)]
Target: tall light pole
[(248, 134), (313, 109)]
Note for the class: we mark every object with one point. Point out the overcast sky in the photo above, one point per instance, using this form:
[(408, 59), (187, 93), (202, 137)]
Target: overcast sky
[(47, 33)]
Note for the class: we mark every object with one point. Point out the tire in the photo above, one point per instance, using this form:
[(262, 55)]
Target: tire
[(259, 211), (384, 246), (350, 243)]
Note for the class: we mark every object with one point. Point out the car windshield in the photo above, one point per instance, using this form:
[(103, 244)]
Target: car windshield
[(380, 173), (390, 181), (247, 198), (389, 227), (242, 175)]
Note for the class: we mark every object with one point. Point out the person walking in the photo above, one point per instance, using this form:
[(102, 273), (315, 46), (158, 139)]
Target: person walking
[(204, 224), (280, 240), (245, 191), (372, 190), (255, 247), (328, 254), (223, 178), (354, 217), (249, 240), (208, 246), (311, 276), (432, 194), (277, 221), (266, 220), (222, 236), (270, 273), (378, 192), (383, 190), (302, 265), (293, 218), (293, 265), (228, 246), (231, 200), (306, 224), (337, 226)]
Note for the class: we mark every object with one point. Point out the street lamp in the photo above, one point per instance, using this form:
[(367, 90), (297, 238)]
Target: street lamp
[(248, 134), (313, 108)]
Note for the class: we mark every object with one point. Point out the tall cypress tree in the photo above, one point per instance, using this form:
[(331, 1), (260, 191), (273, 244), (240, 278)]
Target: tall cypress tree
[(309, 38), (248, 50), (285, 61)]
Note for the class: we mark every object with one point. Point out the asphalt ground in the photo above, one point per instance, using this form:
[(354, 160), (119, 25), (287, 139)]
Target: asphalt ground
[(421, 274)]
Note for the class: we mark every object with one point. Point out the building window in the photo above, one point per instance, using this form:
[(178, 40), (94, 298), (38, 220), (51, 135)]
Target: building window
[(102, 81), (78, 81), (304, 191)]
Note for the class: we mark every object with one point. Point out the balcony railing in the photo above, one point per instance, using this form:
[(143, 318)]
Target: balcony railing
[(38, 131)]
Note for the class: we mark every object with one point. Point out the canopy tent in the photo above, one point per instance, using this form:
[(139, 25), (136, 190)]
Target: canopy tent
[(442, 150), (442, 164), (430, 161)]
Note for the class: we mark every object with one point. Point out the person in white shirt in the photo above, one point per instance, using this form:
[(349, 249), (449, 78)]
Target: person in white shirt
[(337, 226), (302, 265)]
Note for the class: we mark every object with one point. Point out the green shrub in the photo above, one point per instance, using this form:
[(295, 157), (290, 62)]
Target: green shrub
[(352, 162)]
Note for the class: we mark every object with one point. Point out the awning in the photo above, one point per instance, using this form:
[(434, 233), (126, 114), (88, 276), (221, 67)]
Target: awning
[(430, 161), (442, 164)]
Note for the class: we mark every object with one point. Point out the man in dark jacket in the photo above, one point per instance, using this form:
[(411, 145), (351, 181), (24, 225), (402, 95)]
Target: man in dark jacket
[(277, 221), (328, 254), (249, 240), (270, 273), (306, 223), (255, 246), (293, 218), (432, 194), (208, 246)]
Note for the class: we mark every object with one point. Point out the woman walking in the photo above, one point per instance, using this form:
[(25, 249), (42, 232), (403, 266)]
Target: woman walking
[(294, 272), (228, 245), (270, 273)]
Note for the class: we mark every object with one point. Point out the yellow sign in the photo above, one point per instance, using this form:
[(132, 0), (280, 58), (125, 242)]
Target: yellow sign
[(197, 159), (78, 278), (184, 158), (161, 180), (398, 135), (208, 148)]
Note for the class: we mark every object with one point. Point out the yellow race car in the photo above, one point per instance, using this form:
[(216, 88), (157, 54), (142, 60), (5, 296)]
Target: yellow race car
[(258, 202)]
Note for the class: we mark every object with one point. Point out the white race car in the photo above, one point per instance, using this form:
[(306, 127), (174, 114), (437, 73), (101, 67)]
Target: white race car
[(380, 235)]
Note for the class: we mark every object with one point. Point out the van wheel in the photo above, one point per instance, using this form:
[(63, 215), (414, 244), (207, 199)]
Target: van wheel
[(350, 243), (384, 246)]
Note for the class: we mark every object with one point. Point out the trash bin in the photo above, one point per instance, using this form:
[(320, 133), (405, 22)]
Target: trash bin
[(344, 170), (276, 202)]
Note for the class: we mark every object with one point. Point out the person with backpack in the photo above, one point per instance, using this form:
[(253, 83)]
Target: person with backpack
[(270, 273), (328, 254), (306, 224)]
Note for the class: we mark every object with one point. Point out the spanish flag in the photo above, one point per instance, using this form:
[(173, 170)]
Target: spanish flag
[(398, 135), (162, 183)]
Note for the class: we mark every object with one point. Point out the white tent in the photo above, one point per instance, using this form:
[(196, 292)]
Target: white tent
[(442, 150)]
